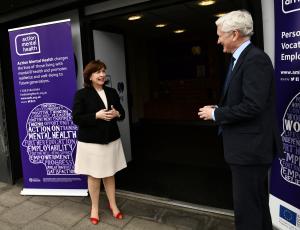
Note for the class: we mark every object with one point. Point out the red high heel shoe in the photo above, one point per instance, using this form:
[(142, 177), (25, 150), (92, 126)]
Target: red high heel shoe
[(94, 220), (119, 215)]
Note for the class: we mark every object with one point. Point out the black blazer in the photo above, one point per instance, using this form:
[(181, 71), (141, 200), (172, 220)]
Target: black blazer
[(86, 103), (247, 111)]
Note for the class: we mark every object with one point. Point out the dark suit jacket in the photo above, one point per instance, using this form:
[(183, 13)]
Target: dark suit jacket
[(86, 103), (247, 111)]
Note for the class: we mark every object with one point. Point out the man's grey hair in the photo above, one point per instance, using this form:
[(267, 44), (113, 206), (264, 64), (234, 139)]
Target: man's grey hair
[(240, 20)]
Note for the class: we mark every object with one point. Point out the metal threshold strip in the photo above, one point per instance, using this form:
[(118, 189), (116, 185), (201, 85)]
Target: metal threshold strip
[(174, 203)]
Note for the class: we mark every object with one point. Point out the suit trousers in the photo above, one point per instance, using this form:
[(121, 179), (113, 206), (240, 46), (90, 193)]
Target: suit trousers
[(251, 197)]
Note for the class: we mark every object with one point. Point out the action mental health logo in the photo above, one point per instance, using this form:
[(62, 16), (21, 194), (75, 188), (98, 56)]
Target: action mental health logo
[(289, 6), (51, 138), (290, 166), (27, 44)]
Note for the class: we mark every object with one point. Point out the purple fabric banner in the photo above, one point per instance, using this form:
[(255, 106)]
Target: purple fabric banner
[(45, 83), (285, 178)]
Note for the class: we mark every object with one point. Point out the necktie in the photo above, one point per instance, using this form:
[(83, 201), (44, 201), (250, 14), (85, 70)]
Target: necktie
[(226, 82), (229, 73)]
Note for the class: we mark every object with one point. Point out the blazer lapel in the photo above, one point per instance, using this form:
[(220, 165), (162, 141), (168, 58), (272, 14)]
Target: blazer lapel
[(235, 69), (99, 100), (108, 97)]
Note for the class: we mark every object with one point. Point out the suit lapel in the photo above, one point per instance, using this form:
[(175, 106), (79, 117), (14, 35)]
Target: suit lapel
[(236, 68)]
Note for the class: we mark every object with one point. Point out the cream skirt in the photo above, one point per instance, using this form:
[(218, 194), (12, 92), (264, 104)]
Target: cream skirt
[(99, 160)]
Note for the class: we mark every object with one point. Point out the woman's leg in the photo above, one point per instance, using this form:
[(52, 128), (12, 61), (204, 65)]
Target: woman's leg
[(94, 190), (110, 188)]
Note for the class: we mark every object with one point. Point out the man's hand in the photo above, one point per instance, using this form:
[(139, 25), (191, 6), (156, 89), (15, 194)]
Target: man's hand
[(205, 112)]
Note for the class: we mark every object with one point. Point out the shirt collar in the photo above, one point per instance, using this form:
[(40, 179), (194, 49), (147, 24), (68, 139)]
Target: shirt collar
[(239, 50)]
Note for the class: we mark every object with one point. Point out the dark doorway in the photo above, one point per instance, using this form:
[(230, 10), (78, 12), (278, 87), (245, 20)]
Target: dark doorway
[(170, 75)]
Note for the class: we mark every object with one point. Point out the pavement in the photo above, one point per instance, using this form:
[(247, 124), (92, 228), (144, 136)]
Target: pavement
[(57, 213)]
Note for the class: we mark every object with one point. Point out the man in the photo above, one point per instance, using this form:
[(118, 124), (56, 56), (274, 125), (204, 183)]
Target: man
[(247, 123)]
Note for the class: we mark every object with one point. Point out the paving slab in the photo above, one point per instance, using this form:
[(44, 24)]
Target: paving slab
[(12, 197), (42, 225), (78, 199), (23, 213), (142, 224), (85, 224), (180, 219), (3, 185), (67, 214), (106, 217), (218, 225), (211, 221), (2, 209), (143, 210), (7, 226), (49, 201)]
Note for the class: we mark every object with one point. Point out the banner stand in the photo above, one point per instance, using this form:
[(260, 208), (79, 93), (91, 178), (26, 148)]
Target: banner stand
[(285, 177), (44, 75)]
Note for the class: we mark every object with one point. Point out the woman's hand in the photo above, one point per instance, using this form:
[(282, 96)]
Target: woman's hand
[(107, 115), (103, 114), (114, 112)]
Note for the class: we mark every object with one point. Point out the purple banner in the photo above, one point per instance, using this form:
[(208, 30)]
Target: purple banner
[(45, 83), (285, 178)]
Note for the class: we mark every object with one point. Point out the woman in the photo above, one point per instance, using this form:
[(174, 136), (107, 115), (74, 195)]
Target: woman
[(100, 154)]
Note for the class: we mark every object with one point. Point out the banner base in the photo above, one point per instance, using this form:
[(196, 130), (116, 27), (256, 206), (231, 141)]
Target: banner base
[(53, 192), (284, 215)]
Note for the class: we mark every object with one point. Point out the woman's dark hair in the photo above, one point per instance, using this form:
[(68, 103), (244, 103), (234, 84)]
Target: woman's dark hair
[(89, 69)]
